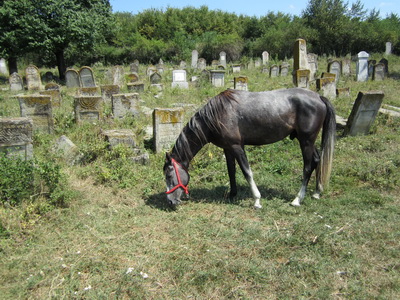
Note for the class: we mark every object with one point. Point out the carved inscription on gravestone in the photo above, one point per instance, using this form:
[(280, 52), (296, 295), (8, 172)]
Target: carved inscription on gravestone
[(88, 108), (16, 137), (86, 77), (33, 80), (167, 125)]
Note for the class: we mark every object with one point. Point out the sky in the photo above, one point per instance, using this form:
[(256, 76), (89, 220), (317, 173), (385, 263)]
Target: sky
[(246, 7)]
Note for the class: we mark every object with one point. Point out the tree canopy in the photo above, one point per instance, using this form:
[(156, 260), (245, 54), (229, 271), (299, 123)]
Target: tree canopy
[(86, 31)]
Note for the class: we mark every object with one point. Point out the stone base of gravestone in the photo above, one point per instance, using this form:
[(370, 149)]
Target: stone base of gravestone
[(125, 104), (89, 91), (141, 159), (327, 87), (136, 87), (16, 137), (116, 137), (301, 78), (167, 125), (39, 109), (363, 114), (68, 150), (343, 92), (157, 87), (107, 91), (180, 84)]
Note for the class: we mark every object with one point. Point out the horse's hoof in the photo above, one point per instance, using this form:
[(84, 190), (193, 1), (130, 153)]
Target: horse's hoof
[(316, 196), (295, 203), (259, 206)]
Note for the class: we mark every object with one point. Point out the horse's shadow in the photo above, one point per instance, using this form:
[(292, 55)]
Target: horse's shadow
[(217, 195)]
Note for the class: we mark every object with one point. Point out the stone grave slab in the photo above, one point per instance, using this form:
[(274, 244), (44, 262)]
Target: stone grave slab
[(88, 108), (86, 77), (125, 104), (16, 83), (72, 79), (167, 125), (241, 83), (33, 80), (16, 137), (39, 109), (217, 78)]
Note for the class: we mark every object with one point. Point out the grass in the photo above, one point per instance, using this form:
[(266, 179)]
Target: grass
[(117, 239)]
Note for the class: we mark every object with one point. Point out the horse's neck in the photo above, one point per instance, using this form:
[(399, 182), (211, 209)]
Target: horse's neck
[(188, 145)]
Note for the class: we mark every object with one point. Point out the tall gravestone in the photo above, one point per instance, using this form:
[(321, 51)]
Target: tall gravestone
[(86, 77), (362, 66), (364, 112), (300, 65), (88, 108), (16, 83), (312, 60), (195, 58), (346, 67), (125, 105), (3, 66), (33, 80), (72, 79), (388, 49), (118, 73), (334, 67), (39, 109), (167, 125), (265, 57), (16, 137)]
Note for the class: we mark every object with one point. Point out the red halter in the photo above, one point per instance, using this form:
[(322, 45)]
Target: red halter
[(180, 184)]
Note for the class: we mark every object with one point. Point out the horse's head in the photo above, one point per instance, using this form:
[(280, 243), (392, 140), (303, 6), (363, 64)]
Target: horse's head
[(177, 180)]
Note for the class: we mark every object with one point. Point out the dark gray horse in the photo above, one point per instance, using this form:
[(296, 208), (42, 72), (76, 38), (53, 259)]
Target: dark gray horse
[(234, 118)]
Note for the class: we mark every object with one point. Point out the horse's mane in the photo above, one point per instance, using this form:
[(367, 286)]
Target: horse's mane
[(208, 119)]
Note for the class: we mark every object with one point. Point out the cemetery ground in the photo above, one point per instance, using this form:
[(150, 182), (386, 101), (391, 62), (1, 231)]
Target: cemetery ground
[(113, 237)]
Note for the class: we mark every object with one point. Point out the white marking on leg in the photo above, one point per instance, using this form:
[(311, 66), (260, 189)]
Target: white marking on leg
[(300, 196), (256, 193)]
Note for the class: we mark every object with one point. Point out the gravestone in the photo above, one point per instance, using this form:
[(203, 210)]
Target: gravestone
[(151, 70), (327, 87), (52, 90), (284, 70), (379, 72), (182, 65), (179, 79), (133, 77), (160, 68), (48, 77), (72, 79), (343, 92), (236, 68), (16, 137), (218, 78), (385, 62), (125, 105), (265, 57), (388, 49), (155, 81), (346, 67), (201, 64), (300, 55), (118, 74), (301, 78), (241, 83), (89, 91), (362, 66), (33, 80), (88, 108), (107, 91), (274, 71), (167, 125), (222, 59), (3, 67), (86, 77), (15, 82), (134, 67), (363, 114), (335, 68), (258, 63), (371, 65), (195, 58), (68, 150), (312, 65), (214, 64), (134, 85), (39, 109)]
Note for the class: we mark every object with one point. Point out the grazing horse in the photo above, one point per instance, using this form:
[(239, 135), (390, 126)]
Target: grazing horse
[(235, 118)]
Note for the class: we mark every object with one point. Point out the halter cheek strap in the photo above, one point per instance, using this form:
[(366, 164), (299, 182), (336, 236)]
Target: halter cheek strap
[(180, 184)]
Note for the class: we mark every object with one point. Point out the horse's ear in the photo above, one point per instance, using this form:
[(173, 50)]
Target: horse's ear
[(168, 157)]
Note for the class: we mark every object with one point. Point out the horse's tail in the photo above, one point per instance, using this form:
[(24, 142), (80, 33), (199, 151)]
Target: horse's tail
[(327, 145)]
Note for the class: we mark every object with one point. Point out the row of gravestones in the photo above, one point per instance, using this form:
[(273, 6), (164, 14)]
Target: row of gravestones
[(16, 133)]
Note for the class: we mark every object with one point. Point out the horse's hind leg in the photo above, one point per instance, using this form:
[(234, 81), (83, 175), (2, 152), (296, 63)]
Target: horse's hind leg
[(311, 160), (231, 164), (241, 158)]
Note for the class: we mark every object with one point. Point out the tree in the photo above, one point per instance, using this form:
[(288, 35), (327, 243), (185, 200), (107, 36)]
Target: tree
[(54, 25)]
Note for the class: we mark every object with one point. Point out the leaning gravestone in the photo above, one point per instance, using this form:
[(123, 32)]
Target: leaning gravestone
[(16, 82), (241, 83), (346, 67), (179, 79), (362, 66), (125, 105), (379, 72), (72, 79), (116, 137), (39, 109), (68, 150), (88, 108), (33, 80), (167, 125), (364, 111), (16, 137), (86, 77), (218, 78), (327, 87)]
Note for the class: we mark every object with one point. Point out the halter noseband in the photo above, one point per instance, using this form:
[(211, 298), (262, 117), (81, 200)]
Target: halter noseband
[(175, 164)]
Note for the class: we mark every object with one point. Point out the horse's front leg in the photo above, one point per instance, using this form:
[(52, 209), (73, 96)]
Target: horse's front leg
[(231, 164), (241, 158)]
